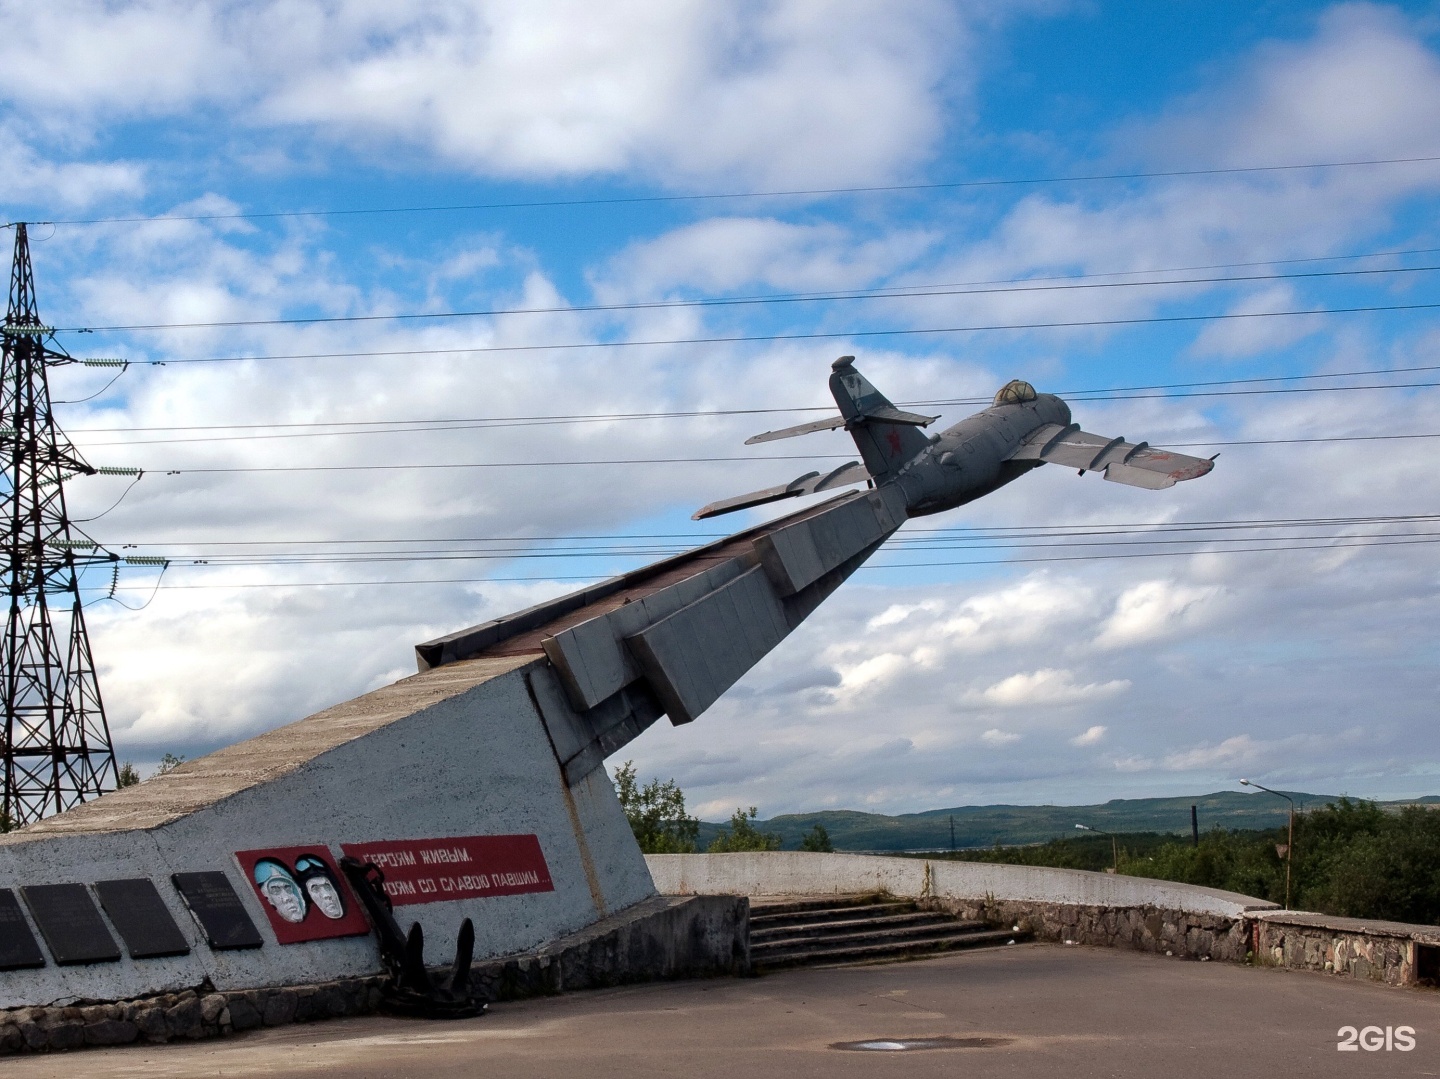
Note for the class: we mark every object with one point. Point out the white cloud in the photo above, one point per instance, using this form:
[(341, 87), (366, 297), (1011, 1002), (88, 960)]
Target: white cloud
[(874, 671), (723, 253), (784, 92), (1012, 615), (1364, 86), (1152, 610), (882, 698), (27, 176), (1252, 336), (1048, 686), (1232, 752)]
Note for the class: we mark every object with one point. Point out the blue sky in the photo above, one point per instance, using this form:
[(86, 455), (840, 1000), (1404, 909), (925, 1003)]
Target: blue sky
[(951, 672)]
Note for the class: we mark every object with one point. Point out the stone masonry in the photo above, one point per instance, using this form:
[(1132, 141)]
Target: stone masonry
[(1146, 929), (699, 936)]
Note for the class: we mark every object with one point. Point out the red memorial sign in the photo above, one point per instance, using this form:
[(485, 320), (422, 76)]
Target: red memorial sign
[(461, 867), (303, 893)]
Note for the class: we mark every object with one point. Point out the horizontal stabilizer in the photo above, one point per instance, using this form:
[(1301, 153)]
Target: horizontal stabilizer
[(883, 414), (1135, 464), (800, 429), (891, 414), (808, 484)]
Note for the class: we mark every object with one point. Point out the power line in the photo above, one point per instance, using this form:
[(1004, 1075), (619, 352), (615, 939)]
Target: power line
[(875, 189), (891, 566), (913, 540), (562, 346), (414, 430), (471, 423), (1062, 528), (616, 461), (979, 543), (892, 293)]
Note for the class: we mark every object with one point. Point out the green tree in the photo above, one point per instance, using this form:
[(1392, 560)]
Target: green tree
[(656, 813), (817, 839), (127, 776), (169, 763), (742, 835)]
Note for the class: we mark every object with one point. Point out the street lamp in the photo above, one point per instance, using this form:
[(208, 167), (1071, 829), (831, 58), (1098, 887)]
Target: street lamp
[(1114, 849), (1290, 845)]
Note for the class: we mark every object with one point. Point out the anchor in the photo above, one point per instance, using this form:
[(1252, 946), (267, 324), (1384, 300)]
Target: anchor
[(412, 989)]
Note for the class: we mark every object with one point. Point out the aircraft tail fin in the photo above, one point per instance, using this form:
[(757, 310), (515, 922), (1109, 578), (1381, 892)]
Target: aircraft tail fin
[(886, 436)]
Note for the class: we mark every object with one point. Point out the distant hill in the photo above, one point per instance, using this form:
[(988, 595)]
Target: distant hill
[(984, 826)]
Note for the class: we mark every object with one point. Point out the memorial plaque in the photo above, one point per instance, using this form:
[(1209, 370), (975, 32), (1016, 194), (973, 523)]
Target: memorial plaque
[(460, 867), (70, 923), (303, 893), (218, 909), (18, 948), (137, 911)]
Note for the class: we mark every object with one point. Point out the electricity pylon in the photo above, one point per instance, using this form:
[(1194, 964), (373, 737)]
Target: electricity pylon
[(56, 748)]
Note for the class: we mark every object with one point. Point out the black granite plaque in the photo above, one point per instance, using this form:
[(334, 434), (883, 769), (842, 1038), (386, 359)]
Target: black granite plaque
[(18, 947), (218, 910), (70, 923), (136, 909)]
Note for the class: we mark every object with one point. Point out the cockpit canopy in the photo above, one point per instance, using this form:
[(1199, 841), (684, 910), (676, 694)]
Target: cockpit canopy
[(1015, 392)]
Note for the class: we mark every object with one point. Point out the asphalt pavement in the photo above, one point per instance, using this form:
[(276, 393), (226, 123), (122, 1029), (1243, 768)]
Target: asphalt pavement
[(1025, 1010)]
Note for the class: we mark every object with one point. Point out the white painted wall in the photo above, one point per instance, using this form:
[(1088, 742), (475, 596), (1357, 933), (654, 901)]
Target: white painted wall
[(475, 763), (801, 873)]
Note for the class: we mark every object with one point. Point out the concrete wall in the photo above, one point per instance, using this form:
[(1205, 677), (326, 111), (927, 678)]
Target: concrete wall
[(660, 938), (1067, 906), (471, 760), (1074, 907), (803, 873)]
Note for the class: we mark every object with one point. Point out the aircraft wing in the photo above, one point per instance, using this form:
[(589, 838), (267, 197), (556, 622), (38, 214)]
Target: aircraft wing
[(810, 483), (1136, 464)]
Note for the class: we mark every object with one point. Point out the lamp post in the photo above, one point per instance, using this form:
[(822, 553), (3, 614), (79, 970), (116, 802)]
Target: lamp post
[(1114, 848), (1290, 844)]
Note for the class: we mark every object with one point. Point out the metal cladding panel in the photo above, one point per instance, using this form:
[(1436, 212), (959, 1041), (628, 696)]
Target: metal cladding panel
[(592, 663), (889, 503), (700, 651), (582, 741), (800, 554)]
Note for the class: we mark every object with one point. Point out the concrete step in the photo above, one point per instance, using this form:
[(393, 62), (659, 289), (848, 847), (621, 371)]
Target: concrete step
[(761, 905), (767, 932), (863, 933), (763, 919), (893, 950)]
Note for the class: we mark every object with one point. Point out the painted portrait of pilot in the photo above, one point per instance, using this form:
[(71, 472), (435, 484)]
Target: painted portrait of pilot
[(281, 890), (320, 885)]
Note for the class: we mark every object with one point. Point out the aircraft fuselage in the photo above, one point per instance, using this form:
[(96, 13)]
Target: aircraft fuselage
[(969, 460)]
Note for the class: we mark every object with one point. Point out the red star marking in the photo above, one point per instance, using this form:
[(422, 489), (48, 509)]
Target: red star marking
[(892, 437)]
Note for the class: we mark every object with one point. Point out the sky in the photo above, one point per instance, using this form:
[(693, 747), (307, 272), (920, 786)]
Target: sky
[(519, 231)]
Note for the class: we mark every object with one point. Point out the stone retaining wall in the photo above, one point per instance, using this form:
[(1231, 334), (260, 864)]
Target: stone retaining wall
[(1389, 952), (1148, 929), (189, 1014), (666, 937)]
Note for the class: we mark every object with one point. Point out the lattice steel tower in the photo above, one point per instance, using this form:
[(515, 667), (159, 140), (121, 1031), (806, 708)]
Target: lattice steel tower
[(57, 750)]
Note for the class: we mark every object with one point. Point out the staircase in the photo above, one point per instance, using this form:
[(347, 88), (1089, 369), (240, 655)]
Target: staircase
[(858, 929)]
